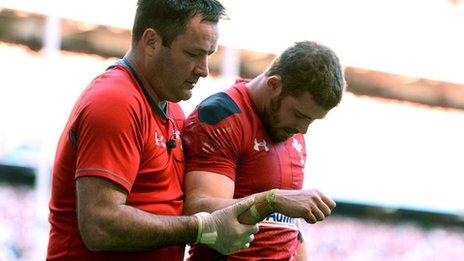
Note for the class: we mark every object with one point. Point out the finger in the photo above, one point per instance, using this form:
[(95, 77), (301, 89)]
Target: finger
[(241, 243), (250, 238), (243, 205), (324, 208), (255, 229), (236, 248), (310, 218), (252, 230), (318, 214), (328, 201)]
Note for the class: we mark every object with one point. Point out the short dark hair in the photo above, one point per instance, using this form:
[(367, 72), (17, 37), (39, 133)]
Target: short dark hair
[(170, 17), (309, 66)]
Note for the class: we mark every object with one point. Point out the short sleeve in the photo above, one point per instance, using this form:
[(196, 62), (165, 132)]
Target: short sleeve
[(213, 137), (108, 138)]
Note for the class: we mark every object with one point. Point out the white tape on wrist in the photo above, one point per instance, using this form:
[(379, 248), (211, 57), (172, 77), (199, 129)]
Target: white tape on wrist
[(200, 228), (203, 237)]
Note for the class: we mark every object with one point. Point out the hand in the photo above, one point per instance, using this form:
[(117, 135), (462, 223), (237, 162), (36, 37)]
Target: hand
[(311, 205), (231, 235)]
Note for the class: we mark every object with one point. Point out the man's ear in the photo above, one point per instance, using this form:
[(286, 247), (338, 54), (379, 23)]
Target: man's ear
[(274, 83), (151, 41)]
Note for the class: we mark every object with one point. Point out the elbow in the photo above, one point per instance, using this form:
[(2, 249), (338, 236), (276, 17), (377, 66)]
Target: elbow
[(190, 206), (94, 243), (94, 235)]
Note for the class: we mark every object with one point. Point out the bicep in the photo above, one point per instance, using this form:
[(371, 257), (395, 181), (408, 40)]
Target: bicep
[(207, 191), (208, 184)]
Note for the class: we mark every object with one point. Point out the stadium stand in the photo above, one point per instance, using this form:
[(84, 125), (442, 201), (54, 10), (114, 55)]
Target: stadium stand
[(355, 232)]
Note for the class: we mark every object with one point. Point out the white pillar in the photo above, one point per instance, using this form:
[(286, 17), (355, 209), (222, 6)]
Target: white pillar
[(52, 46), (52, 37), (230, 67)]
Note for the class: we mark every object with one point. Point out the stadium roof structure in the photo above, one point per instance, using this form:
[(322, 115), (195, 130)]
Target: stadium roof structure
[(415, 38), (28, 28)]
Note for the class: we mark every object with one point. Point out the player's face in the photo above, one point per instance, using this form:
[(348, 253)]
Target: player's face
[(177, 68), (288, 115)]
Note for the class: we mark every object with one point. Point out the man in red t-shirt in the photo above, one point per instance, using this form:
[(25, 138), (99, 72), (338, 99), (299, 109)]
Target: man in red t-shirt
[(119, 166), (248, 141)]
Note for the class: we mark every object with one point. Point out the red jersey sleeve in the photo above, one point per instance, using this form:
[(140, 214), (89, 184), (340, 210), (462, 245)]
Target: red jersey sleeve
[(107, 136), (212, 137)]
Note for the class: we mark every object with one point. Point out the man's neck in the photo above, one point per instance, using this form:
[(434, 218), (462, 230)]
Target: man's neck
[(137, 65), (256, 88)]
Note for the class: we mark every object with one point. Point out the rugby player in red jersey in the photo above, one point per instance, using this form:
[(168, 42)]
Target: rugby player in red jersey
[(248, 140)]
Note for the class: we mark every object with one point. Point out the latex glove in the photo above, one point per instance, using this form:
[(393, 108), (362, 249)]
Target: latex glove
[(223, 232)]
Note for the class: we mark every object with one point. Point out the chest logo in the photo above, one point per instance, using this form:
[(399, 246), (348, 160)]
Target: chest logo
[(298, 147), (260, 145)]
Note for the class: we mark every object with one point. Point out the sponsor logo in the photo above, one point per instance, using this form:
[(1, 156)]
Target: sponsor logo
[(298, 147), (280, 218)]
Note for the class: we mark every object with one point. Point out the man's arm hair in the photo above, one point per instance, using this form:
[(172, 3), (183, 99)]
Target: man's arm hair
[(106, 223)]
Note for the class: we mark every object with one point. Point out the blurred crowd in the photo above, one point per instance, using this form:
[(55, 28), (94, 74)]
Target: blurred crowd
[(344, 238), (337, 238), (17, 222)]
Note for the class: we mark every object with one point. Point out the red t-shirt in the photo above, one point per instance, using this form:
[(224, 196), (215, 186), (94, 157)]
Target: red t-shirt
[(113, 133), (225, 135)]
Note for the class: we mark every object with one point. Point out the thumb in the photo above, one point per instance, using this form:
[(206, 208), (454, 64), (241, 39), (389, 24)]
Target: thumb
[(243, 205)]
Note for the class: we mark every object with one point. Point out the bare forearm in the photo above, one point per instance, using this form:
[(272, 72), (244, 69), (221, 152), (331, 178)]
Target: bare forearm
[(131, 229), (311, 205), (210, 204), (194, 205)]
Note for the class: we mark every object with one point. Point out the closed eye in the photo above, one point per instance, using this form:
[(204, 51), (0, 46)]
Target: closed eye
[(302, 116), (193, 55)]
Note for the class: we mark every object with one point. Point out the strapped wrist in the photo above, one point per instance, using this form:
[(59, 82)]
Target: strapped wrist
[(264, 206), (203, 236), (270, 197), (254, 212), (200, 228)]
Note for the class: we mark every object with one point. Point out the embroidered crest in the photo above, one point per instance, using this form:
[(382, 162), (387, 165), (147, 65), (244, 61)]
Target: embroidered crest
[(159, 140)]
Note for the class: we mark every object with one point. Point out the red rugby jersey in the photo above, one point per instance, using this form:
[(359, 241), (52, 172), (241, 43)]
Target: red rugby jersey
[(113, 133), (225, 135)]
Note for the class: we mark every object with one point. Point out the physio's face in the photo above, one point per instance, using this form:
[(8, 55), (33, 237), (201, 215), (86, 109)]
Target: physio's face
[(288, 115), (178, 67)]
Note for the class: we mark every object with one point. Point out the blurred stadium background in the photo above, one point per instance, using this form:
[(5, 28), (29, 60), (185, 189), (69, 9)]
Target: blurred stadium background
[(390, 154)]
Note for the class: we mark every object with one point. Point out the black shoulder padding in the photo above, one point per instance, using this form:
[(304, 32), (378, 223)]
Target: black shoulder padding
[(73, 137), (217, 107)]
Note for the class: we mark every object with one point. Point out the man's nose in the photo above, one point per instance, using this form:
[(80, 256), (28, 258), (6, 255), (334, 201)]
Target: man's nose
[(202, 68)]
